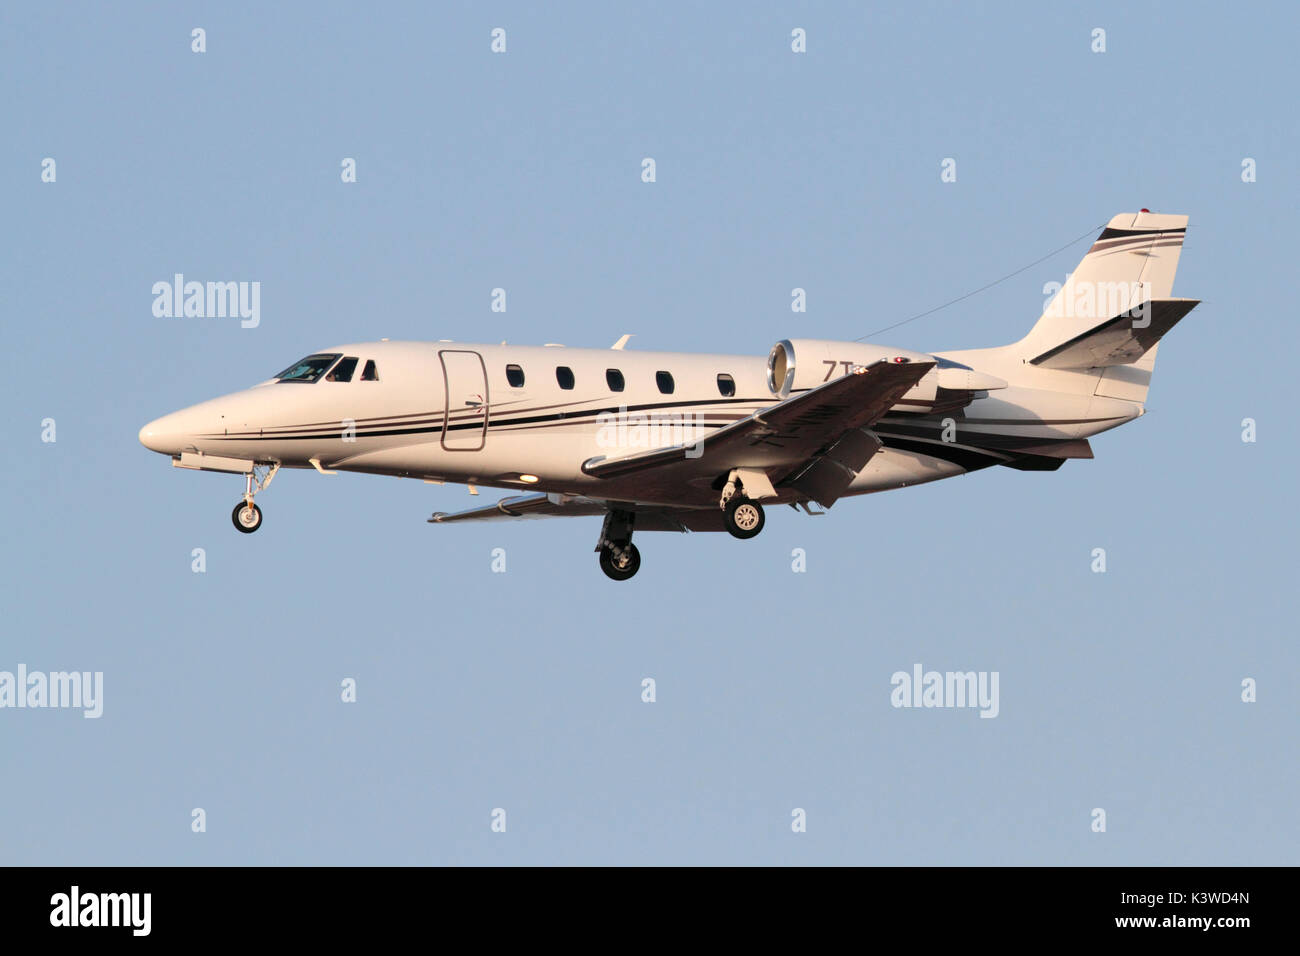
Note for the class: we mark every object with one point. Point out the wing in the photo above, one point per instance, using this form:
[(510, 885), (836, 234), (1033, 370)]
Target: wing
[(648, 518), (527, 506), (814, 443)]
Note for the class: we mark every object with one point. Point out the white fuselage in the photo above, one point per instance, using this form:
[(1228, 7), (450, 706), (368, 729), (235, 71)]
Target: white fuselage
[(451, 412)]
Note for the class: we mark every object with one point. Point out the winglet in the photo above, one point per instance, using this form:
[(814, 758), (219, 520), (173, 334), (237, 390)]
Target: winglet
[(622, 342)]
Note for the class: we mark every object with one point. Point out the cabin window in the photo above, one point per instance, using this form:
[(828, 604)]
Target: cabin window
[(564, 375), (515, 376), (309, 369), (370, 373), (665, 382), (614, 379), (343, 371), (726, 385)]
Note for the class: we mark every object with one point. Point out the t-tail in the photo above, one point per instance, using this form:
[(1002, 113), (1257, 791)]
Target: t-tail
[(1112, 311)]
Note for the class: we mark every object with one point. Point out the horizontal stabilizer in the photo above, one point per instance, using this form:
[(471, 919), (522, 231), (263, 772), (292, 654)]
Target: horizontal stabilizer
[(1121, 340)]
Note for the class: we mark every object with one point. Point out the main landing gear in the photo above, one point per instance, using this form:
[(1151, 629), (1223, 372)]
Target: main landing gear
[(620, 563), (619, 558), (247, 517), (743, 517)]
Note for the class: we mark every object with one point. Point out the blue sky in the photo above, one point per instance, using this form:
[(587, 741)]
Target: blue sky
[(522, 690)]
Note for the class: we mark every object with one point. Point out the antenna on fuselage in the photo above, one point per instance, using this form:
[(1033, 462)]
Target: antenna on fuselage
[(622, 343)]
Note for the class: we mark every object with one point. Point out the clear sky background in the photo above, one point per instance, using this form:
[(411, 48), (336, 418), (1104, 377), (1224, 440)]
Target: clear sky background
[(522, 690)]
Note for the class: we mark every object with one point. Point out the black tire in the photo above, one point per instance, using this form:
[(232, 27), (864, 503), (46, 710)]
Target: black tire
[(256, 518), (744, 518), (631, 563)]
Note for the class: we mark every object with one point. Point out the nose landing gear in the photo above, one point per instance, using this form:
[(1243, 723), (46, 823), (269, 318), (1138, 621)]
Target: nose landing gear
[(247, 517)]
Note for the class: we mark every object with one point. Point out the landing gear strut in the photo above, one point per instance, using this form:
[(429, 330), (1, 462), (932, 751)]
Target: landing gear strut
[(247, 517), (619, 558)]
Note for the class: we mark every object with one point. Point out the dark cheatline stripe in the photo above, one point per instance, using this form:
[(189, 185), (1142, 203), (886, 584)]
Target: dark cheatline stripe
[(1126, 246), (1119, 246), (326, 429), (1024, 422), (507, 428), (1006, 444), (493, 422), (1109, 233)]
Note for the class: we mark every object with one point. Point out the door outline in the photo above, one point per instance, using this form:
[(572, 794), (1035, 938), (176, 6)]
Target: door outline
[(464, 386)]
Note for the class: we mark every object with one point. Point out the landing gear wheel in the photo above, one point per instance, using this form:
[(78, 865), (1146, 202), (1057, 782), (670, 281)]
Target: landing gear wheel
[(744, 518), (247, 517), (620, 564)]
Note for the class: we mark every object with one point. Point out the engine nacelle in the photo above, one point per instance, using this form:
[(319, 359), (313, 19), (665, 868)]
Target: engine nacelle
[(795, 365)]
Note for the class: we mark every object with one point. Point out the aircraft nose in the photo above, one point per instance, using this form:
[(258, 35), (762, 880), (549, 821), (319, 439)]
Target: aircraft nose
[(161, 435)]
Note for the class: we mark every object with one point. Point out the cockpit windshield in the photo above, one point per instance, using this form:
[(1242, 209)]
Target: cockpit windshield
[(309, 369)]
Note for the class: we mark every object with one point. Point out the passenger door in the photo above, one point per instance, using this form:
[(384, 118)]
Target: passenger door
[(465, 389)]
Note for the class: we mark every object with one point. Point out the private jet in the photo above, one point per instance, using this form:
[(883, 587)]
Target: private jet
[(672, 441)]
